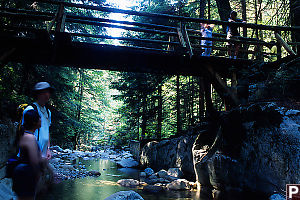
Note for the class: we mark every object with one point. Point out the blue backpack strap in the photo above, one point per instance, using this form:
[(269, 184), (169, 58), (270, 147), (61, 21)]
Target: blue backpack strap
[(36, 109)]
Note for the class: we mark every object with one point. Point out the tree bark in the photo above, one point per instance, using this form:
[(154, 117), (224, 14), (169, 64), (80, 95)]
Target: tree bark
[(159, 114), (201, 97), (295, 16), (178, 105), (224, 10), (208, 99), (144, 118), (202, 8), (192, 104), (79, 106), (244, 16)]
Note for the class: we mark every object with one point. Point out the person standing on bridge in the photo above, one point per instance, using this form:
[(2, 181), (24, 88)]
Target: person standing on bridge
[(233, 33), (206, 31)]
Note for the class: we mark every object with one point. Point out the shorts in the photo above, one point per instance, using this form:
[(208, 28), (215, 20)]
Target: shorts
[(229, 37), (24, 181)]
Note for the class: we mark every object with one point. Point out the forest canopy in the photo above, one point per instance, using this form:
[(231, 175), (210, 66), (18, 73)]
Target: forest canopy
[(93, 107)]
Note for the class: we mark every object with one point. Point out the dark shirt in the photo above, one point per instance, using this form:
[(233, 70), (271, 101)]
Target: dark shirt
[(232, 29)]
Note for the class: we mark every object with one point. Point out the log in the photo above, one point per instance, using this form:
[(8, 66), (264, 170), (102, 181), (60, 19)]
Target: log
[(284, 44)]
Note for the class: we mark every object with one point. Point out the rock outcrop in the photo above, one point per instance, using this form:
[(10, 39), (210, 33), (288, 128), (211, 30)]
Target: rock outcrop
[(255, 154), (175, 153)]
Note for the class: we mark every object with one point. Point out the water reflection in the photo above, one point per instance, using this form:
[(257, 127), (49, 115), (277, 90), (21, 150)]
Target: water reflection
[(91, 188)]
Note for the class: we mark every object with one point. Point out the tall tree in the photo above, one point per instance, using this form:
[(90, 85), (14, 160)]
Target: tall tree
[(295, 20), (224, 10)]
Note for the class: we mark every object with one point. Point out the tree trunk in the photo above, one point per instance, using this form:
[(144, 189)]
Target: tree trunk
[(178, 105), (208, 9), (244, 16), (224, 10), (79, 106), (144, 118), (202, 8), (192, 104), (295, 16), (159, 111), (208, 100), (201, 97)]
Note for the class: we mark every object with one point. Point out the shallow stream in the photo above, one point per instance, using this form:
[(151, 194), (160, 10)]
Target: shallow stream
[(99, 188)]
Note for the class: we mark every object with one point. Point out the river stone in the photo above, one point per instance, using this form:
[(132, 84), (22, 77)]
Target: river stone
[(78, 154), (277, 197), (128, 163), (153, 176), (94, 173), (143, 174), (180, 184), (176, 172), (162, 173), (128, 182), (171, 178), (85, 158), (125, 195), (153, 181), (55, 160), (152, 188), (67, 151), (57, 148), (149, 171), (69, 167)]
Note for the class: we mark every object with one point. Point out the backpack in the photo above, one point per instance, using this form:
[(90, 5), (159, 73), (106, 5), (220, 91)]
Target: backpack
[(20, 112)]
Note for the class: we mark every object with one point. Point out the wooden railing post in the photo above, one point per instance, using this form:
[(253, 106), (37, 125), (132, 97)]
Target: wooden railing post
[(278, 46), (184, 39), (284, 44), (60, 19)]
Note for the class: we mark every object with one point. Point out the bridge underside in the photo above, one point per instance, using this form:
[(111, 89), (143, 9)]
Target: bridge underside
[(62, 51)]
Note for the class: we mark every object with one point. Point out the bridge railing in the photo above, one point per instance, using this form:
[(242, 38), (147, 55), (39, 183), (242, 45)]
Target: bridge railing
[(60, 20)]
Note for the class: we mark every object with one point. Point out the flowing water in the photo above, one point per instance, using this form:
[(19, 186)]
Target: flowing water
[(92, 188)]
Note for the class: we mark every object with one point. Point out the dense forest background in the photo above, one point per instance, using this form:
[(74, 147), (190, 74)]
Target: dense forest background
[(100, 107)]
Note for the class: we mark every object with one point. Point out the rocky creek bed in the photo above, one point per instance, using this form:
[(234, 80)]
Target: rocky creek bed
[(66, 165)]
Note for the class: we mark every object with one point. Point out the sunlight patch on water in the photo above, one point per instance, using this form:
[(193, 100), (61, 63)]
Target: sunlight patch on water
[(100, 183)]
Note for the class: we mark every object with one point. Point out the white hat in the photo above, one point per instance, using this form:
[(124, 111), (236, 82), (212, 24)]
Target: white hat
[(42, 86)]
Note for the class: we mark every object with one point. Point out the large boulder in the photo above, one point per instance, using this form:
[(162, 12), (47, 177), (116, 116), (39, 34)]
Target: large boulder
[(162, 173), (180, 184), (128, 163), (175, 153), (125, 195), (259, 152), (176, 172)]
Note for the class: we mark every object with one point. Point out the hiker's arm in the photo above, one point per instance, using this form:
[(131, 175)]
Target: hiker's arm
[(48, 154)]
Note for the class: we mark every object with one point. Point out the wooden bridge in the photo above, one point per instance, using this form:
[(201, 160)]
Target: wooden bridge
[(41, 37)]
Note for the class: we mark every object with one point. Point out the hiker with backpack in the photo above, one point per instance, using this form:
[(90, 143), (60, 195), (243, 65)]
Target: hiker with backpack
[(27, 173), (42, 92)]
